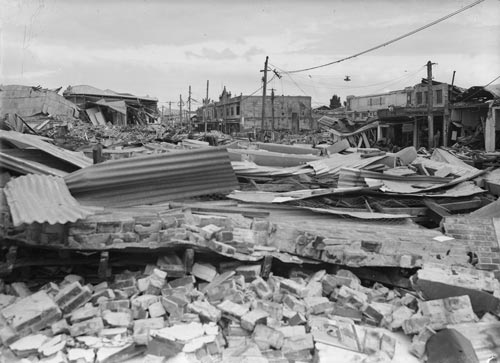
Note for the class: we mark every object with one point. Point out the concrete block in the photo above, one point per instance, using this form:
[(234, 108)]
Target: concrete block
[(32, 313), (158, 278), (262, 288), (28, 345), (172, 265), (115, 305), (205, 310), (87, 327), (117, 319), (318, 305), (84, 313), (52, 346), (221, 248), (252, 318), (275, 310), (232, 310), (72, 296), (297, 343), (293, 287), (156, 310), (204, 271), (187, 281), (209, 231), (266, 337), (143, 328), (80, 355), (294, 304), (60, 327)]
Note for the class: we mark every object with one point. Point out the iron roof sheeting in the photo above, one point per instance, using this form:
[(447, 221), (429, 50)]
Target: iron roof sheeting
[(42, 198), (23, 141), (23, 166), (154, 178)]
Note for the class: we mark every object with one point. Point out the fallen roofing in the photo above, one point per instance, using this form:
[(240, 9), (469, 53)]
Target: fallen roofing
[(24, 141), (23, 166), (334, 163), (27, 101), (155, 178), (250, 169), (270, 158), (39, 198), (89, 90)]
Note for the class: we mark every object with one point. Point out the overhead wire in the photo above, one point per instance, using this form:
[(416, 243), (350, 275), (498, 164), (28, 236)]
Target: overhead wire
[(475, 93), (392, 40)]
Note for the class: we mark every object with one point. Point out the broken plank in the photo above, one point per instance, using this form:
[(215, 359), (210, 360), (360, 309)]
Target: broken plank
[(463, 205), (436, 211), (365, 140)]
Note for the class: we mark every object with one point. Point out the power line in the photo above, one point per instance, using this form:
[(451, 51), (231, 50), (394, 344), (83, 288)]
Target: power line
[(392, 40), (327, 85)]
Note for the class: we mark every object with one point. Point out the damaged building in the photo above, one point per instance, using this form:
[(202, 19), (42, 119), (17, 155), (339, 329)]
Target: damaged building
[(242, 113), (103, 106), (403, 113), (150, 244)]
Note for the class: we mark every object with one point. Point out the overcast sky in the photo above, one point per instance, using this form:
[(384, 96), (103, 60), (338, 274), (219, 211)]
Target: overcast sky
[(159, 48)]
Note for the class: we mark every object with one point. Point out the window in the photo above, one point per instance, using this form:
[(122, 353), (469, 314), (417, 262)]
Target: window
[(237, 109), (408, 98), (419, 98), (232, 111), (439, 96), (382, 100), (425, 97), (370, 102)]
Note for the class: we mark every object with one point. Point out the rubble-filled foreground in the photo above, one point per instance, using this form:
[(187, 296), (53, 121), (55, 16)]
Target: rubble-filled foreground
[(205, 312)]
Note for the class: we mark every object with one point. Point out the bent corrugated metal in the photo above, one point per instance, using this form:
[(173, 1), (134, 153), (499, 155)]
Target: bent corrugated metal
[(154, 178), (22, 141), (42, 198)]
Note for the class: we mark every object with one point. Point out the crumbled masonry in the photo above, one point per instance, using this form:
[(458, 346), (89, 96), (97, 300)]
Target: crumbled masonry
[(136, 242)]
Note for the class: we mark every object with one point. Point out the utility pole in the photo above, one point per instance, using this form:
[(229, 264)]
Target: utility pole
[(264, 79), (272, 112), (170, 111), (206, 102), (448, 107), (180, 109), (189, 108), (430, 98)]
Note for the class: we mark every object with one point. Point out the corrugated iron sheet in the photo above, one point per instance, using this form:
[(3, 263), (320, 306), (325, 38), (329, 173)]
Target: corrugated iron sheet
[(334, 163), (26, 141), (23, 166), (154, 178), (250, 169), (42, 198)]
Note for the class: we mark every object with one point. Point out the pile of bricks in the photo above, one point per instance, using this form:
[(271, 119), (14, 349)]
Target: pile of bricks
[(215, 313)]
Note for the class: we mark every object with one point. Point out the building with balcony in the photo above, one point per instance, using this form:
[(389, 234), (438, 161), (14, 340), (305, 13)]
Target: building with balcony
[(403, 114), (241, 113)]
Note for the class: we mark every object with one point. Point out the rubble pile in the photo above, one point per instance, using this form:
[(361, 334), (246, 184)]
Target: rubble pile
[(154, 243), (210, 313)]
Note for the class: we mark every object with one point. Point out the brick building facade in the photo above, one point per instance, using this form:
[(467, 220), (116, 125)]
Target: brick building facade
[(240, 113)]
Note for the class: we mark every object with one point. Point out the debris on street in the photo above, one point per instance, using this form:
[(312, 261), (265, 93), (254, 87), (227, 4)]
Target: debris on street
[(125, 239)]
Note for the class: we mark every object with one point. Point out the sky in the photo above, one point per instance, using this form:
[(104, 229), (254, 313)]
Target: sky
[(160, 48)]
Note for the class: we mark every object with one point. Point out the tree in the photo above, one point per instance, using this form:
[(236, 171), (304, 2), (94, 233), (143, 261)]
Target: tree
[(335, 102)]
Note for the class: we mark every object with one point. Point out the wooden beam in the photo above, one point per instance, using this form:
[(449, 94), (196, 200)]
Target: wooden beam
[(463, 205), (436, 211), (102, 270)]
